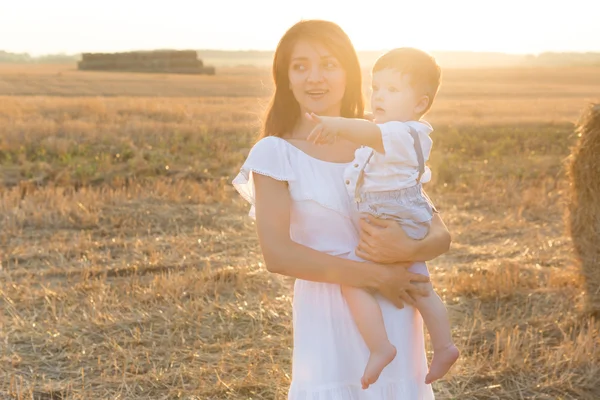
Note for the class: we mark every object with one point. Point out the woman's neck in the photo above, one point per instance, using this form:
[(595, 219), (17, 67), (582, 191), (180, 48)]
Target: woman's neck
[(302, 128)]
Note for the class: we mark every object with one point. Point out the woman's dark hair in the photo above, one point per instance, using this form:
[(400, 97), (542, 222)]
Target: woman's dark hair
[(283, 110)]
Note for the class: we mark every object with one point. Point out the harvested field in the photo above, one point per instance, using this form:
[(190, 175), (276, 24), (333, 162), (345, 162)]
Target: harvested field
[(130, 270)]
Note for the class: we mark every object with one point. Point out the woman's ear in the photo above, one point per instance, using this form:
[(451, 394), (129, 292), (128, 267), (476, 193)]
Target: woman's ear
[(422, 104)]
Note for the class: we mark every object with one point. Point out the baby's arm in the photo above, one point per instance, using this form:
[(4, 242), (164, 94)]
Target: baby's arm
[(359, 131)]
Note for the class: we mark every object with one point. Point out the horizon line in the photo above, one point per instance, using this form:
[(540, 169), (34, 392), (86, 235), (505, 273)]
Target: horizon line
[(33, 54)]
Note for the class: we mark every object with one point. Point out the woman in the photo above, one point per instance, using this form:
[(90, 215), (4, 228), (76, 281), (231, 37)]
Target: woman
[(306, 228)]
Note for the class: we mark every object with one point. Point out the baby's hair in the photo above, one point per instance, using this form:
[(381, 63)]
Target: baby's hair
[(424, 72)]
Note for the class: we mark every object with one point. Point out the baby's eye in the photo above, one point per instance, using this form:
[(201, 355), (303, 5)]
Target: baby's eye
[(374, 88), (393, 89)]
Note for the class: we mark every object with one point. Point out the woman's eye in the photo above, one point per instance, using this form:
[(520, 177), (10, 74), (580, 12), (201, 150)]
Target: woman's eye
[(330, 65), (298, 67)]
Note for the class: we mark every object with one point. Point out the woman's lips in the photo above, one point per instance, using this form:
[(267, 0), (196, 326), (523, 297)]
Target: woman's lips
[(317, 94)]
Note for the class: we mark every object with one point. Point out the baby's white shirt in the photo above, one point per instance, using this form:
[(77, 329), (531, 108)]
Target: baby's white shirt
[(398, 168)]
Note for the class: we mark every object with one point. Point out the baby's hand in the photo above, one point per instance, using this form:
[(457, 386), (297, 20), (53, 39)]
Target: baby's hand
[(326, 131), (369, 116)]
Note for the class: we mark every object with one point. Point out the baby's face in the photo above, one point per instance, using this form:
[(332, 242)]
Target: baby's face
[(392, 97)]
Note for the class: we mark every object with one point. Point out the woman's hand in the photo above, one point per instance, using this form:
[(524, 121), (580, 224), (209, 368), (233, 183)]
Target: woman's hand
[(384, 241), (398, 285)]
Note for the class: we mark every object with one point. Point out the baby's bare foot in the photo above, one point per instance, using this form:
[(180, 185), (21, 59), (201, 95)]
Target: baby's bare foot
[(378, 360), (442, 361)]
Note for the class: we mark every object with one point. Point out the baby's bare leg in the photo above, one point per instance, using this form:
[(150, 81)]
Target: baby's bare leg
[(369, 320), (436, 319)]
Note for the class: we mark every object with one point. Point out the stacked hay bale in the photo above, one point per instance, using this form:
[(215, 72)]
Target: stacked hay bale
[(170, 61), (584, 203)]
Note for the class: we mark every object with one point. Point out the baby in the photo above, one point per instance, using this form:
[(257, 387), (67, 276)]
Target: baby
[(385, 180)]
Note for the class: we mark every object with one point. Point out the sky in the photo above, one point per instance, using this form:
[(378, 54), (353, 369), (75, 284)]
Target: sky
[(512, 26)]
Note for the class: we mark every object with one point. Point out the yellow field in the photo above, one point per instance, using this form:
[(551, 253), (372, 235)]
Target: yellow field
[(129, 269)]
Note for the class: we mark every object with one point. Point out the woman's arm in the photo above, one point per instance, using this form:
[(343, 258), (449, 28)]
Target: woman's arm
[(384, 241), (286, 257)]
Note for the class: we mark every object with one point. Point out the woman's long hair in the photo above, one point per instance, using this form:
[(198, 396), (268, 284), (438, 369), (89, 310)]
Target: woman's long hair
[(283, 110)]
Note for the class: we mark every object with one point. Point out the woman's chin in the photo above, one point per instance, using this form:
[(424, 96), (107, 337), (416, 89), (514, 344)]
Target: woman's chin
[(324, 109)]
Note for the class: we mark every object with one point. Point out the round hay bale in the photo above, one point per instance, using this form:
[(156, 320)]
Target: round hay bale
[(583, 220)]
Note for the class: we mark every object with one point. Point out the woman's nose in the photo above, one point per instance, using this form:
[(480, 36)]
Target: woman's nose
[(315, 75)]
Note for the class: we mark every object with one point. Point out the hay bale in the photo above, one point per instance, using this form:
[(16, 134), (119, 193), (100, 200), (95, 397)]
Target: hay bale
[(167, 61), (208, 70), (584, 203)]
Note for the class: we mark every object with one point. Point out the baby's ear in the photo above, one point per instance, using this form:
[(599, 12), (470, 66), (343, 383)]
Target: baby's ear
[(422, 104)]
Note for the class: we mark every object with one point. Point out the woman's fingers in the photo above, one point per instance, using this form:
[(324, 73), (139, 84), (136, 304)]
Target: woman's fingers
[(400, 287), (363, 254), (400, 298), (404, 284), (407, 298), (398, 302), (368, 228), (421, 292), (414, 277), (362, 248), (380, 222), (369, 246), (393, 297), (368, 235), (369, 241)]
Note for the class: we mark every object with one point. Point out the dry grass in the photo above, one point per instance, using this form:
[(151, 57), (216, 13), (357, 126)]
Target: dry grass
[(130, 270)]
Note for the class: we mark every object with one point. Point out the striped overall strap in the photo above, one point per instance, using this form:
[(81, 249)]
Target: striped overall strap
[(419, 151), (361, 178)]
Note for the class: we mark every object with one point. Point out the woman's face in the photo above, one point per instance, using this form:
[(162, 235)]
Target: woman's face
[(317, 79)]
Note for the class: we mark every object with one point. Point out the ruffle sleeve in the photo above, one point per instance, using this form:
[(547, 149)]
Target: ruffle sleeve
[(268, 157)]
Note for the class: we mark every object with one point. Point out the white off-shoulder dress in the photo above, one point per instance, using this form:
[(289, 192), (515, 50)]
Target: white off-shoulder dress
[(329, 355)]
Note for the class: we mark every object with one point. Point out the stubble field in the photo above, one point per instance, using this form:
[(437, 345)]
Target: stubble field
[(130, 270)]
